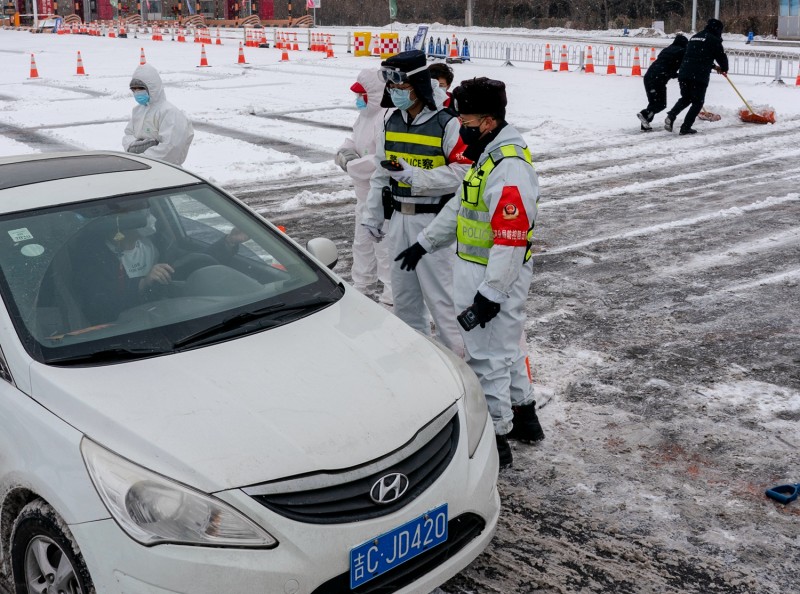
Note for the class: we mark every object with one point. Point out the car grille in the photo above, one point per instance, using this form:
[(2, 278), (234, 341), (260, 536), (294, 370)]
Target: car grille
[(348, 500), (460, 531)]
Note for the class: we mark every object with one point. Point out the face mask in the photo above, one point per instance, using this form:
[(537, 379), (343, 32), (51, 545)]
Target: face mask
[(401, 98), (142, 97), (138, 261), (439, 95), (360, 103), (470, 135)]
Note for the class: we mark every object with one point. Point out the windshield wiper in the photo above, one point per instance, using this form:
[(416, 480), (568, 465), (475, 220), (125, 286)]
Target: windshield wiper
[(112, 355), (271, 312)]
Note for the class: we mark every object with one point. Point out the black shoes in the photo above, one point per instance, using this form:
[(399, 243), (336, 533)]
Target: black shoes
[(687, 131), (504, 451), (668, 121), (645, 120), (526, 424)]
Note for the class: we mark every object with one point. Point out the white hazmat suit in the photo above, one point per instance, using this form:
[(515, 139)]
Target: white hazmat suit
[(357, 157), (431, 284), (158, 121), (494, 352)]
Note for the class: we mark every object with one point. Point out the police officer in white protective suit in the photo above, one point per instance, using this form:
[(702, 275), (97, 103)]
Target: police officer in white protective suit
[(492, 222), (356, 157), (157, 128), (421, 138)]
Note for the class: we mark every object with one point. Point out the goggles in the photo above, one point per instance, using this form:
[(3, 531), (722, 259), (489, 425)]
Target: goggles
[(397, 76)]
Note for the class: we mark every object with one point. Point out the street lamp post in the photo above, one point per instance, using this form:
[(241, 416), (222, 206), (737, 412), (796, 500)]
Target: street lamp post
[(694, 16)]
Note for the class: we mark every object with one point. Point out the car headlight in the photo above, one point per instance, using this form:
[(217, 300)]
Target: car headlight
[(153, 509), (474, 399)]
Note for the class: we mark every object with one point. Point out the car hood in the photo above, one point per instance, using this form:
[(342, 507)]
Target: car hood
[(336, 389)]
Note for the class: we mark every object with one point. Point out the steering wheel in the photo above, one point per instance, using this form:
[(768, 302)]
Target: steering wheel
[(188, 263)]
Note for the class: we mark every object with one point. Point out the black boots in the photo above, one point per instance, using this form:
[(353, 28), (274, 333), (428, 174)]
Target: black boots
[(668, 121), (526, 424), (504, 451), (686, 131), (645, 118)]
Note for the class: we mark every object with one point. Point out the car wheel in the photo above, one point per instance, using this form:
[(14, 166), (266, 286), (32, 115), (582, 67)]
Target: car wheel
[(45, 558)]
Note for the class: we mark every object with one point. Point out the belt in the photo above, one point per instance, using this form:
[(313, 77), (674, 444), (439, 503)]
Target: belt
[(412, 208)]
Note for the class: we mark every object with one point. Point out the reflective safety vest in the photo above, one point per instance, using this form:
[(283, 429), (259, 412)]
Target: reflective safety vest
[(474, 235), (419, 144)]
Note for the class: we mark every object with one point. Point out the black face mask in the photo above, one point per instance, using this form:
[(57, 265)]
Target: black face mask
[(470, 135)]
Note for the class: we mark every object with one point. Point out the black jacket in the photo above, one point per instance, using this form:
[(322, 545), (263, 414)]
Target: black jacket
[(704, 49), (666, 65)]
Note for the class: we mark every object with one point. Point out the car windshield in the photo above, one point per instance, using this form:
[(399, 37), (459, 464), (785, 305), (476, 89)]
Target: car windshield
[(147, 274)]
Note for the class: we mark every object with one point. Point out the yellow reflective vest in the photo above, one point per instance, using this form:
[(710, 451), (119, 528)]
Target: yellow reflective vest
[(474, 232)]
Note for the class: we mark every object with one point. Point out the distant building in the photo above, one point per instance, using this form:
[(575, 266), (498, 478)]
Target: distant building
[(152, 10), (789, 19)]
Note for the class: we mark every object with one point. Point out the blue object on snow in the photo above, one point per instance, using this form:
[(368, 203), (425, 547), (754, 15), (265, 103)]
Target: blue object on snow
[(749, 37), (783, 493), (465, 50)]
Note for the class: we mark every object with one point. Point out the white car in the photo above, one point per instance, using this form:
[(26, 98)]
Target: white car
[(191, 402)]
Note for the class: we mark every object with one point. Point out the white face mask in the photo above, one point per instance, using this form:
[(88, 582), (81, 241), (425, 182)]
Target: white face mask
[(138, 261)]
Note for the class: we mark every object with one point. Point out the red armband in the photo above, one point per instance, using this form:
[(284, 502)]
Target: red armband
[(510, 219)]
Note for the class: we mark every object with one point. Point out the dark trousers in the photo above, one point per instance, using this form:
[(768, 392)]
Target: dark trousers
[(692, 93), (657, 97)]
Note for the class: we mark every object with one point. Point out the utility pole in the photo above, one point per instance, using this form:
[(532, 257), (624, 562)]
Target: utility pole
[(694, 16), (468, 16), (716, 9)]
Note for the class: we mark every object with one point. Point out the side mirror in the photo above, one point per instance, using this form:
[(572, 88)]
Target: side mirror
[(324, 250)]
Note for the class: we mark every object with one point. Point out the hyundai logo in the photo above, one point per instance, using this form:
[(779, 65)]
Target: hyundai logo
[(389, 488)]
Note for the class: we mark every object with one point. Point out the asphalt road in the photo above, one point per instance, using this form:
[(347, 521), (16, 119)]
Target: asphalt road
[(663, 325)]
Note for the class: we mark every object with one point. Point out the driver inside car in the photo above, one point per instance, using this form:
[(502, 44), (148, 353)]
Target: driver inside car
[(125, 264)]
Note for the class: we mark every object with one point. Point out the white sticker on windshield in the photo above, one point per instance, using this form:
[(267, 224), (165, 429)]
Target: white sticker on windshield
[(18, 235), (32, 250)]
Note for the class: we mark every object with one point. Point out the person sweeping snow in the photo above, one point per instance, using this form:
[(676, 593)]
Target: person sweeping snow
[(157, 128), (703, 50), (658, 75)]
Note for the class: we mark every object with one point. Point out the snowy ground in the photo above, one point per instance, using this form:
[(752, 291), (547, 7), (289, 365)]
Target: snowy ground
[(663, 318)]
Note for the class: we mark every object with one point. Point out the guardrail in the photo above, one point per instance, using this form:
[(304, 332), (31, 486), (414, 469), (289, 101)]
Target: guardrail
[(741, 62)]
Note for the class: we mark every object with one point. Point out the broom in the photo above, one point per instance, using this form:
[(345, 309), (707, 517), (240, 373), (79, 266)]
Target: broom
[(767, 115)]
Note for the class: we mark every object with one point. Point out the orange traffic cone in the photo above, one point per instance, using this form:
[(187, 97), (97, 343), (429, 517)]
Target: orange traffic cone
[(612, 67), (203, 59), (284, 55), (241, 55), (34, 71), (564, 65), (454, 48), (295, 45), (548, 58), (797, 82), (637, 65), (589, 67), (263, 40), (81, 71), (329, 50), (142, 60), (652, 55), (219, 39)]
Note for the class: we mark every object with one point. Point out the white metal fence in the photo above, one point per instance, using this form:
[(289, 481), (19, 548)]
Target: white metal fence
[(741, 62)]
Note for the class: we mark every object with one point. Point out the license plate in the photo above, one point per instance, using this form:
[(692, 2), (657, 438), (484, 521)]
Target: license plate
[(382, 553)]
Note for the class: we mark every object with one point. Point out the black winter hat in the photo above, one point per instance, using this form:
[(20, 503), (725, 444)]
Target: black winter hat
[(680, 40), (481, 96), (714, 26), (420, 81)]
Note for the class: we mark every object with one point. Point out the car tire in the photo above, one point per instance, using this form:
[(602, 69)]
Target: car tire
[(41, 544)]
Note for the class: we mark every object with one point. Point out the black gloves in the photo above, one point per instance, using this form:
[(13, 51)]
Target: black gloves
[(410, 257), (482, 311)]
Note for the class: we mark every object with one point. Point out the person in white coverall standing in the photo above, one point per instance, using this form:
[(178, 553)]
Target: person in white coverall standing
[(421, 138), (356, 157), (157, 128), (492, 222)]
